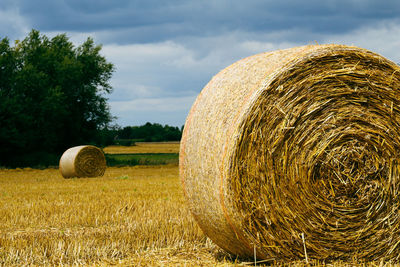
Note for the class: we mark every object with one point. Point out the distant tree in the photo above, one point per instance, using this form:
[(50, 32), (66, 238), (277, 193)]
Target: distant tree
[(150, 132), (52, 96), (125, 133)]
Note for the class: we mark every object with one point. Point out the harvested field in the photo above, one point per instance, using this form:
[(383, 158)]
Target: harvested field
[(132, 216)]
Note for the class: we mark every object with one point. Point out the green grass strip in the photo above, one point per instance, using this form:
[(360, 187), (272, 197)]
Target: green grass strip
[(141, 159)]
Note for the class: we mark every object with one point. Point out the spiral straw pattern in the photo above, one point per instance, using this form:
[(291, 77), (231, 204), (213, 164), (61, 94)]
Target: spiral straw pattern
[(82, 161), (302, 142)]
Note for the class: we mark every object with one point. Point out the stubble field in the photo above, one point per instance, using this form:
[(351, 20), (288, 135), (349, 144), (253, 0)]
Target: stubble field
[(132, 216)]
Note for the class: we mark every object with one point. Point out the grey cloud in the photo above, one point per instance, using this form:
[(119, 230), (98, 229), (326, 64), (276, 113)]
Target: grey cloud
[(154, 20), (166, 51)]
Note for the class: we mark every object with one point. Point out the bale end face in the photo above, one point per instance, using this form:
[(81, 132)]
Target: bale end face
[(82, 161)]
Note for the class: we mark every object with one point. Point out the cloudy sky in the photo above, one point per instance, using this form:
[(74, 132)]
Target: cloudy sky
[(165, 51)]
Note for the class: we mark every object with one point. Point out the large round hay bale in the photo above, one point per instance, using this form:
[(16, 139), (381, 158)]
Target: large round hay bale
[(82, 161), (296, 152)]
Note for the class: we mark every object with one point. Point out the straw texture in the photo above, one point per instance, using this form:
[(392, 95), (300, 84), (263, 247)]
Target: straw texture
[(82, 161), (294, 154)]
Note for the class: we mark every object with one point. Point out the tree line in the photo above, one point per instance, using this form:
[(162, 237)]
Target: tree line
[(148, 133), (130, 135), (53, 96)]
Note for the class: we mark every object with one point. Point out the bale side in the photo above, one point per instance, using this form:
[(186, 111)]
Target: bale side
[(210, 128), (260, 151)]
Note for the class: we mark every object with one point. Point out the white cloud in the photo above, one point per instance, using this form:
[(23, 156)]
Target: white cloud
[(142, 53), (169, 110), (166, 104), (165, 78), (12, 24), (146, 70), (382, 38)]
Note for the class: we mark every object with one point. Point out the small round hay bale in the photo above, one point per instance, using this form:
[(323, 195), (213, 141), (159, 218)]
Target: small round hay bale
[(302, 142), (82, 161)]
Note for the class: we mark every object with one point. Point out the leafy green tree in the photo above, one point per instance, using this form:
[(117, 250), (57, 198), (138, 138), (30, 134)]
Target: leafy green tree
[(52, 96)]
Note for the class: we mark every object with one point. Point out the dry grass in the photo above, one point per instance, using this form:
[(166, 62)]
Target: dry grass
[(143, 147), (130, 216)]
